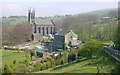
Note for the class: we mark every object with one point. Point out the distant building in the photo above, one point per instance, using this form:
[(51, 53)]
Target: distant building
[(42, 52), (40, 27), (106, 17), (62, 37)]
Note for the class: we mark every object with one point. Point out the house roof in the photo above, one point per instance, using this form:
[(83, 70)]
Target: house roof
[(41, 50), (44, 22), (62, 33), (59, 49)]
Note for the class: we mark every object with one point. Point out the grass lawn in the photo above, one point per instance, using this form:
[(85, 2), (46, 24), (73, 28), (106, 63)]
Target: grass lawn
[(101, 63), (9, 56)]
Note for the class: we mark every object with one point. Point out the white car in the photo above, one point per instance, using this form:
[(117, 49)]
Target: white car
[(38, 47), (14, 47)]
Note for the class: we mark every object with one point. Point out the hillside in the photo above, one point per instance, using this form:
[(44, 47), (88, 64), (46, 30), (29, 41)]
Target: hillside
[(99, 12), (90, 25), (101, 63)]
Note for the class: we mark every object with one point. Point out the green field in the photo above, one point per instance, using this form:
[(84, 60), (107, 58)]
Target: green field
[(9, 56), (13, 21), (101, 63)]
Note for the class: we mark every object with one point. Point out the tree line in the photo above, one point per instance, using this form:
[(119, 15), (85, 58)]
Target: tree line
[(16, 34)]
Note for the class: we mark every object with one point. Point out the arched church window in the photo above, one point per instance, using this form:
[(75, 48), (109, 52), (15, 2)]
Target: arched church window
[(38, 29), (47, 30), (42, 30), (51, 30)]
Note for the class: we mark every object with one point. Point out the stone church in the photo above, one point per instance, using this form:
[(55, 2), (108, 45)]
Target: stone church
[(40, 27)]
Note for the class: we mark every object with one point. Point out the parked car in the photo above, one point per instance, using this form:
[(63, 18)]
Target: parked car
[(44, 44), (76, 47), (83, 42), (27, 44), (38, 47), (17, 47), (27, 47)]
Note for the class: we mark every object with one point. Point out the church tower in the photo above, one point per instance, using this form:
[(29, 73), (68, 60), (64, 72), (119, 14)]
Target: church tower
[(31, 16)]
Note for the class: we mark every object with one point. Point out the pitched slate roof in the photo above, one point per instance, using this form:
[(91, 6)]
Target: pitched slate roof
[(44, 22), (62, 33)]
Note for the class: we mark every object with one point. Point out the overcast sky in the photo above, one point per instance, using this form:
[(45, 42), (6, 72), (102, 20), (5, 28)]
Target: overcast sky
[(55, 7)]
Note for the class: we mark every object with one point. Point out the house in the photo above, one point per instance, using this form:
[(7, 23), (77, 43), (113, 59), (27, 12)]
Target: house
[(42, 52), (65, 37)]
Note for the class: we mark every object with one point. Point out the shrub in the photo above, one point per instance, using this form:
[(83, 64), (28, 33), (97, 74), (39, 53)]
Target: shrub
[(52, 63), (46, 40), (42, 61), (28, 56), (32, 52), (18, 50), (45, 59), (38, 66), (23, 49), (7, 48), (71, 56), (59, 62), (89, 48), (44, 66), (48, 65), (49, 59)]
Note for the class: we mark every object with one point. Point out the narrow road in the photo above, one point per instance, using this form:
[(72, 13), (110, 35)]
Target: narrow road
[(113, 52)]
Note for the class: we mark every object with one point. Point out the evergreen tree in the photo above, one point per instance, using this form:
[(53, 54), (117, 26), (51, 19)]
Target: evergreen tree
[(35, 54), (12, 66), (65, 56), (28, 57), (27, 61), (59, 61), (62, 61), (6, 69), (32, 52), (15, 62), (10, 70)]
